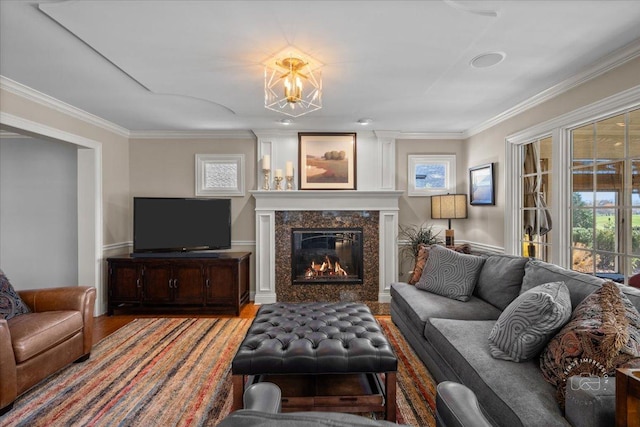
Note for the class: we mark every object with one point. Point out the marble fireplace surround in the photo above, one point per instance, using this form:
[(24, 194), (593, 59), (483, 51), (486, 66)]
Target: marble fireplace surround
[(361, 205)]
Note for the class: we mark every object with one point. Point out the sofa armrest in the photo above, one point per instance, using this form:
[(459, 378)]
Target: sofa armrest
[(8, 373), (590, 401), (78, 298), (457, 406)]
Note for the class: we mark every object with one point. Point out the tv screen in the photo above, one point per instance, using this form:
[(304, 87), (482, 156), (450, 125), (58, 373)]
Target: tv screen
[(179, 225)]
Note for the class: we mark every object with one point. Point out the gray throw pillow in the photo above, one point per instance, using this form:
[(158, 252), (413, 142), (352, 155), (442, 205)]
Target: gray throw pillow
[(450, 274), (529, 322), (11, 304)]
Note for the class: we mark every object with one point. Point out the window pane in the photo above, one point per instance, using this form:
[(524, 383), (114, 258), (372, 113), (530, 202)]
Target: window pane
[(634, 133), (545, 154), (635, 234), (582, 144), (607, 263), (609, 178), (582, 261), (635, 265), (583, 222), (610, 138), (635, 181), (546, 189), (606, 229), (583, 182)]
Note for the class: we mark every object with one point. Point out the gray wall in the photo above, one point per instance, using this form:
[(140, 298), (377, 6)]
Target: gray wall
[(38, 213)]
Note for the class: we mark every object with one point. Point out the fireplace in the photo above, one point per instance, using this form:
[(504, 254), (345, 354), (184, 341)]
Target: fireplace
[(278, 212), (326, 255)]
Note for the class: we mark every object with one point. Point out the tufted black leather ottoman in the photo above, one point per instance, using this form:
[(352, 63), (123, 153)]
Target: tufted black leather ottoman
[(315, 339)]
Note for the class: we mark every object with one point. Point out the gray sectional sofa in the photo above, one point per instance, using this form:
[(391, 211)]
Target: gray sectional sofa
[(451, 338)]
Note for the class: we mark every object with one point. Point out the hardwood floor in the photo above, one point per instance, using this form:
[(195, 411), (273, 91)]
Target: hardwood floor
[(104, 325)]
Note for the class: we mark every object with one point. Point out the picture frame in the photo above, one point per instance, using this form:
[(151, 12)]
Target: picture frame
[(326, 161), (431, 174), (482, 185), (219, 175)]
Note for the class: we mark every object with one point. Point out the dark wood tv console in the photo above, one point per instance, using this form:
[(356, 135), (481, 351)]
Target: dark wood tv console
[(211, 285)]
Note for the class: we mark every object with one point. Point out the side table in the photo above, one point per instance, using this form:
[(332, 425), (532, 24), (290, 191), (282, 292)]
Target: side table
[(628, 398)]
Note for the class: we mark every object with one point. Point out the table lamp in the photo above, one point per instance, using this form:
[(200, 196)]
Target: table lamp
[(449, 206)]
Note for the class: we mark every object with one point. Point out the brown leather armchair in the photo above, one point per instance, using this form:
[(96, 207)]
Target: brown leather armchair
[(57, 332)]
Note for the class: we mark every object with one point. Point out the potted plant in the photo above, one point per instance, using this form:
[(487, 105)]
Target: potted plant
[(417, 235)]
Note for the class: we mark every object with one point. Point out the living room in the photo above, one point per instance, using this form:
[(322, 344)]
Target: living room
[(91, 218)]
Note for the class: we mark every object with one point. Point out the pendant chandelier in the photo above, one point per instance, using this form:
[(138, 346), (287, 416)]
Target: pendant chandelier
[(292, 84)]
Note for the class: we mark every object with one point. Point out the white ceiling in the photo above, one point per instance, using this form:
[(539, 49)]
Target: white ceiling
[(197, 65)]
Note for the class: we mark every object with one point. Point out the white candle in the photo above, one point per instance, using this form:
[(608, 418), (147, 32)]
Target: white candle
[(278, 173), (289, 169), (266, 162)]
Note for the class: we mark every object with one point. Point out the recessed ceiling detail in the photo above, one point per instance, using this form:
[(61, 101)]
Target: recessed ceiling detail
[(404, 63)]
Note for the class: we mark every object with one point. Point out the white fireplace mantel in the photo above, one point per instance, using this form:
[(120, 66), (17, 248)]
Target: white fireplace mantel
[(269, 202)]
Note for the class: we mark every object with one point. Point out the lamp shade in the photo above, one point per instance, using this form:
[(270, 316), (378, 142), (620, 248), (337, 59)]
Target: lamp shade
[(449, 206)]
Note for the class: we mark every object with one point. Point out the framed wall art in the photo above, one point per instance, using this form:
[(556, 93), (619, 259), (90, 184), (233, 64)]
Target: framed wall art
[(431, 174), (219, 175), (326, 161), (481, 185)]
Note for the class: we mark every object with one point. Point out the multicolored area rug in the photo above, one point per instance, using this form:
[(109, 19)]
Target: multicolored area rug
[(176, 372)]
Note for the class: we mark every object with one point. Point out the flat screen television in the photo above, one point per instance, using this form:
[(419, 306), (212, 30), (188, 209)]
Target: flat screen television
[(179, 225)]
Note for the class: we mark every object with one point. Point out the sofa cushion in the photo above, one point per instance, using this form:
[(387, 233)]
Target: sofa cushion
[(500, 279), (527, 324), (603, 333), (419, 306), (34, 333), (580, 285), (11, 304), (451, 274), (514, 394)]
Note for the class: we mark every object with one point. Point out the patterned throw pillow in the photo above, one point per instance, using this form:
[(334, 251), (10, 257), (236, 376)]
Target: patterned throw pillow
[(450, 274), (421, 260), (602, 335), (11, 304), (527, 324)]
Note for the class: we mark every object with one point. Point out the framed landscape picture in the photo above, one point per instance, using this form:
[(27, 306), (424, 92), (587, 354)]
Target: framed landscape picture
[(326, 161), (481, 187), (431, 174)]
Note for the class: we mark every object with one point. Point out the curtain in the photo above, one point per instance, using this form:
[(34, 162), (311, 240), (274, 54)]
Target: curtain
[(536, 218)]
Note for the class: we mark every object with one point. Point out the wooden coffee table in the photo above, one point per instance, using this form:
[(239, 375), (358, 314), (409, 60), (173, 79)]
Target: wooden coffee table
[(628, 398), (350, 393)]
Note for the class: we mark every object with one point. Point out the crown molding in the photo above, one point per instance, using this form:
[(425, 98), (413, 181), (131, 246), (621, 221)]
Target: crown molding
[(430, 135), (192, 134), (31, 94), (596, 69)]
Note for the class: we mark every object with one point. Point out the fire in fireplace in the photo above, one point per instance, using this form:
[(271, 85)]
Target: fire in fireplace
[(326, 255)]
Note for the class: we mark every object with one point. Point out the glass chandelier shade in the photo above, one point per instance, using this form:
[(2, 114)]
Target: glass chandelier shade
[(292, 86)]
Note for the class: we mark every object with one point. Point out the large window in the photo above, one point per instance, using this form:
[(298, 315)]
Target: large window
[(572, 192), (605, 196)]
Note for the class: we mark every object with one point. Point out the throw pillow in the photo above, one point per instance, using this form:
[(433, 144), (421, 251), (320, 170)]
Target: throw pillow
[(527, 324), (602, 335), (421, 260), (11, 304), (450, 274)]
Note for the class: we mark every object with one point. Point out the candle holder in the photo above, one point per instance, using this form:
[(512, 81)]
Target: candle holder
[(265, 183), (289, 182), (278, 180)]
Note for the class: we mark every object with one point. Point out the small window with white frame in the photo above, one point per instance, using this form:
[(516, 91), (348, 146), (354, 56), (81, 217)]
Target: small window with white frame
[(431, 174)]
